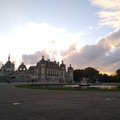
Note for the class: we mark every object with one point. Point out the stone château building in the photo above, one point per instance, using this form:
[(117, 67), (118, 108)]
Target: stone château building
[(8, 67), (44, 71)]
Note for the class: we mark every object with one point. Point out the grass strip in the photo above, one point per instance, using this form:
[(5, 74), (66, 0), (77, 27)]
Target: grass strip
[(49, 87)]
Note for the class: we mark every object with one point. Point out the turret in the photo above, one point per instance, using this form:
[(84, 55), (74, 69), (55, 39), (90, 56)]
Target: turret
[(70, 72), (43, 70), (63, 71)]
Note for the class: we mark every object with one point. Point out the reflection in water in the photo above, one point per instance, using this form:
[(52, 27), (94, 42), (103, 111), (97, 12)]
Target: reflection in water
[(104, 86), (93, 86), (72, 86)]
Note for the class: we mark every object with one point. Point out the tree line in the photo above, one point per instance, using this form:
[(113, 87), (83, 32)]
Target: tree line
[(94, 75)]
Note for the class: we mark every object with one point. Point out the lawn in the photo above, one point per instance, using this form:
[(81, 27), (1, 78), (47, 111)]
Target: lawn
[(62, 87)]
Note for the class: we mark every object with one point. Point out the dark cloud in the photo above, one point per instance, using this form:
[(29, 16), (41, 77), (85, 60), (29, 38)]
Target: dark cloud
[(104, 55), (85, 55), (32, 59), (114, 38)]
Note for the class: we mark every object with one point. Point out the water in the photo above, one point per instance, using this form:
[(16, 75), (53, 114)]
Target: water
[(94, 86), (104, 86)]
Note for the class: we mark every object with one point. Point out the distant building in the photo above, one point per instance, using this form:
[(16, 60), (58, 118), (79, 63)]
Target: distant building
[(8, 67), (45, 71), (51, 71), (21, 74), (7, 71)]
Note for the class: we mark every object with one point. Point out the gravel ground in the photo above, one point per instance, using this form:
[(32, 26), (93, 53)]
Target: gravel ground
[(28, 104)]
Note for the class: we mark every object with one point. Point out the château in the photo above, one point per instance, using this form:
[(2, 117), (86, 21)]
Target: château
[(45, 71)]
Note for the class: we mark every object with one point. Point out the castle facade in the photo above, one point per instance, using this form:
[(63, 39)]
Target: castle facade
[(44, 71)]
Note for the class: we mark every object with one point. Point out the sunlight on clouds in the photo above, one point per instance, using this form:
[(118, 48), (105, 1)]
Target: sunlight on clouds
[(110, 13), (110, 18), (32, 37), (44, 36), (112, 4), (110, 41)]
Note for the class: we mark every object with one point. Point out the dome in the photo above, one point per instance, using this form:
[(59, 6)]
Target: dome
[(22, 67), (8, 64), (62, 64)]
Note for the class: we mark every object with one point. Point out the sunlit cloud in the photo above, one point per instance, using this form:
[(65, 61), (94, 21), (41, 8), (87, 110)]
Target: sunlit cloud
[(109, 4), (109, 13), (32, 37), (44, 36), (104, 55)]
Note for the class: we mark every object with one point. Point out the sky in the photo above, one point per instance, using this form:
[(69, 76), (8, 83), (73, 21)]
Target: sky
[(84, 33)]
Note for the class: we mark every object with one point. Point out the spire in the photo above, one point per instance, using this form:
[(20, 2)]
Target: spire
[(71, 67), (9, 57), (42, 57), (43, 61)]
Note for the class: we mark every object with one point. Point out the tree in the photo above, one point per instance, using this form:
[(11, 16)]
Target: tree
[(118, 72), (91, 73), (78, 74), (104, 78), (118, 75)]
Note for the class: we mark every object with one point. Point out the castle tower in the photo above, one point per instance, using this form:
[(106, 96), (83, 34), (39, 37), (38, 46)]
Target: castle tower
[(43, 70), (70, 72), (63, 71)]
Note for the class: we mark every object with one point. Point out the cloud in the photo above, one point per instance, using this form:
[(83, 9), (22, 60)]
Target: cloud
[(31, 37), (109, 13), (109, 4), (45, 36), (32, 41), (32, 59), (104, 55), (112, 39)]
